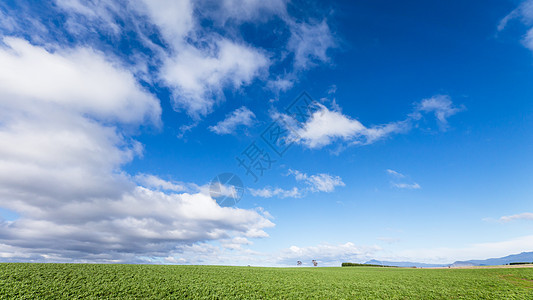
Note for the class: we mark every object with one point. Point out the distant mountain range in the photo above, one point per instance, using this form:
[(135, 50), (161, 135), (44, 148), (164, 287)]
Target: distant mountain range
[(404, 264), (522, 257)]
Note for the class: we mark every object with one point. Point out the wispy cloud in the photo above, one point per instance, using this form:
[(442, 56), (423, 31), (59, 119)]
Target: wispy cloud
[(401, 181), (409, 186), (522, 216), (441, 106), (319, 182), (394, 173), (269, 192), (239, 117), (388, 240), (524, 12), (310, 43), (313, 184)]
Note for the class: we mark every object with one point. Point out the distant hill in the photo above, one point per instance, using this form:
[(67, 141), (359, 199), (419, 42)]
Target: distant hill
[(522, 257), (515, 258), (405, 264)]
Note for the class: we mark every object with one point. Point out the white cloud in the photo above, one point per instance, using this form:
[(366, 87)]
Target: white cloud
[(142, 222), (63, 141), (268, 192), (313, 183), (320, 182), (397, 176), (218, 190), (528, 39), (335, 254), (197, 63), (409, 186), (446, 255), (441, 106), (310, 43), (248, 10), (522, 216), (235, 243), (233, 254), (241, 116), (325, 126), (198, 76), (7, 22), (524, 12), (281, 84), (389, 240), (101, 14), (327, 254), (68, 113), (72, 79), (174, 19), (154, 182), (394, 173)]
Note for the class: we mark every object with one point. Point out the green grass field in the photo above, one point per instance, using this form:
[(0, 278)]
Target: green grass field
[(71, 281)]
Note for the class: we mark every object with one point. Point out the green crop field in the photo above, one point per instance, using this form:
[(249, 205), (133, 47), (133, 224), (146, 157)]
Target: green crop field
[(71, 281)]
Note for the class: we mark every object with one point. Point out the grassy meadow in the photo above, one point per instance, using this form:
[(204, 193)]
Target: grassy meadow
[(101, 281)]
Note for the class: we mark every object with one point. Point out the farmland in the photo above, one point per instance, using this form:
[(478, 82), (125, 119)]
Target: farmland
[(30, 281)]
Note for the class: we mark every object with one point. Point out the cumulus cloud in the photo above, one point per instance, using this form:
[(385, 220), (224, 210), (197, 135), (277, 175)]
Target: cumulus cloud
[(239, 117), (175, 49), (72, 96), (154, 182), (174, 19), (197, 73), (72, 79), (198, 76), (522, 216), (64, 138), (326, 126)]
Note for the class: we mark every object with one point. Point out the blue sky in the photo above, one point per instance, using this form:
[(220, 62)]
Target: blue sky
[(115, 117)]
